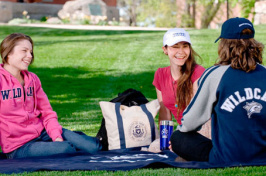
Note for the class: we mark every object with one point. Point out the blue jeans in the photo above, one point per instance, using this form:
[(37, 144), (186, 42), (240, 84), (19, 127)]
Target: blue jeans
[(44, 146)]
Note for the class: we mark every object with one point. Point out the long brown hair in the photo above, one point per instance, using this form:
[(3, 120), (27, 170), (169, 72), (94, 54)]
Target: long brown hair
[(242, 54), (185, 85), (10, 42)]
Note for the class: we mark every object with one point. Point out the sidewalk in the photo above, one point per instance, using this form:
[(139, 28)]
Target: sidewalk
[(91, 27)]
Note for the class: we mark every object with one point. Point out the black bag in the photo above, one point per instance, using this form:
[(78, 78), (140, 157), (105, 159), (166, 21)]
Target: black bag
[(129, 97)]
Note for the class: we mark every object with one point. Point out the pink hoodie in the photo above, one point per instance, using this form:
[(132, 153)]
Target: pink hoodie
[(24, 111)]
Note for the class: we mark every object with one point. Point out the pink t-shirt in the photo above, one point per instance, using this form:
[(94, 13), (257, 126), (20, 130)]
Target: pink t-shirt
[(164, 82)]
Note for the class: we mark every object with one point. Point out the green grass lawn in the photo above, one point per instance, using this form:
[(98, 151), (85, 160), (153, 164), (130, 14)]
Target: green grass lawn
[(79, 68)]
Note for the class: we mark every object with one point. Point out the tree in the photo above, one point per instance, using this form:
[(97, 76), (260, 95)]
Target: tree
[(211, 7), (248, 8), (186, 15), (161, 13), (130, 7), (180, 13)]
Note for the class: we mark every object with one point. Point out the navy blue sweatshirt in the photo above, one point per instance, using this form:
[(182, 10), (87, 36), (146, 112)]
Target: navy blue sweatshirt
[(236, 103)]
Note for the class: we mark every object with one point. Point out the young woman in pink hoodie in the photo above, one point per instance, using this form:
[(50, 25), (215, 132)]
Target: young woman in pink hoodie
[(28, 125)]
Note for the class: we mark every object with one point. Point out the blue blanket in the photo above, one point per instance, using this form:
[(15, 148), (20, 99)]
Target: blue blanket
[(106, 160)]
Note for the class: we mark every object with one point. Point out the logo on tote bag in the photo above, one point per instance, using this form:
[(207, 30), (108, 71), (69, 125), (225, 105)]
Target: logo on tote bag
[(137, 131)]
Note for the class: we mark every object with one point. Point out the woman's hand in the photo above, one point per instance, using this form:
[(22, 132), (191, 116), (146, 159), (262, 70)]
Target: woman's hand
[(170, 146), (59, 140)]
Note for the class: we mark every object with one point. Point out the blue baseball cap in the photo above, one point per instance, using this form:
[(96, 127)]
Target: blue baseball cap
[(232, 28)]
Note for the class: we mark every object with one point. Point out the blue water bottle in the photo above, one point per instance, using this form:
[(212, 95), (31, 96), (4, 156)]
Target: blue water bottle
[(164, 134), (166, 130)]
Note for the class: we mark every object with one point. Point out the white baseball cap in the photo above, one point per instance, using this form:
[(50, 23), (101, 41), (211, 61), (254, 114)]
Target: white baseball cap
[(175, 35)]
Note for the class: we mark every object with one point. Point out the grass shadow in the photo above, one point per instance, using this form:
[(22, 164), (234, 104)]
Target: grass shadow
[(74, 93)]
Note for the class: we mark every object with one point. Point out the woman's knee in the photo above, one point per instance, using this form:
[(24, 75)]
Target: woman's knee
[(65, 147), (81, 141), (175, 138)]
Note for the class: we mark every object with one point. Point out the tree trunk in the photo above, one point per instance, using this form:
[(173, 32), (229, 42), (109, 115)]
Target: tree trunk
[(180, 7), (189, 15), (209, 13), (133, 14), (193, 13), (186, 12)]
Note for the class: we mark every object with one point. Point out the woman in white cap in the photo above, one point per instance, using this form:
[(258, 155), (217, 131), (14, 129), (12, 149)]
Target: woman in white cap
[(176, 84), (233, 94)]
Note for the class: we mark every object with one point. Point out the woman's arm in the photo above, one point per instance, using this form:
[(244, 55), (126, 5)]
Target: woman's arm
[(200, 109), (206, 128), (164, 113), (48, 116)]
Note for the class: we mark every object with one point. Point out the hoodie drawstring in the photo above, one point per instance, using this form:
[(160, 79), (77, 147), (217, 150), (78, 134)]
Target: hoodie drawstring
[(34, 94), (28, 76), (12, 87)]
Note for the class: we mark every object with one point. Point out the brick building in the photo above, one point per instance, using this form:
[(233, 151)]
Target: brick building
[(107, 2)]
